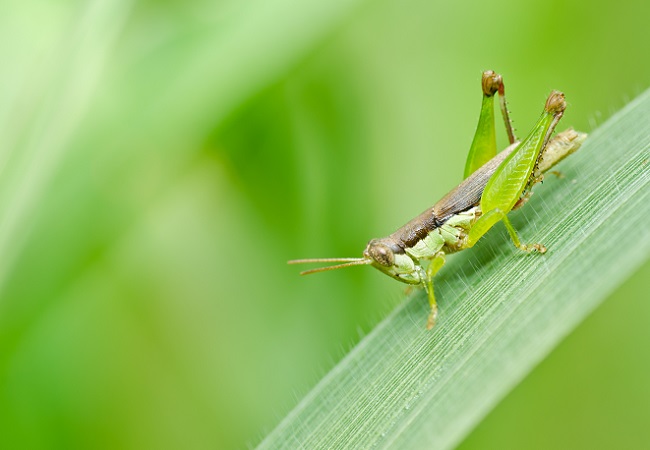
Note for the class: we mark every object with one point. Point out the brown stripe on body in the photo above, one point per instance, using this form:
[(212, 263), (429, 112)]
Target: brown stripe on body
[(463, 197), (416, 229)]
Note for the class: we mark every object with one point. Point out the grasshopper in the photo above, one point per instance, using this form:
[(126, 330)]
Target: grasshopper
[(494, 185)]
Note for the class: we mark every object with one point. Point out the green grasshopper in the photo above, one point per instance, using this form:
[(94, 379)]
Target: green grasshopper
[(494, 185)]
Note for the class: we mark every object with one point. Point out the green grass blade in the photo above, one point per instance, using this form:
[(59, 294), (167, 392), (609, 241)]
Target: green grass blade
[(501, 311)]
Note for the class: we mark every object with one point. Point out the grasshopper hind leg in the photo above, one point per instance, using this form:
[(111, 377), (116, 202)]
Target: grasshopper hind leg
[(484, 145), (517, 173)]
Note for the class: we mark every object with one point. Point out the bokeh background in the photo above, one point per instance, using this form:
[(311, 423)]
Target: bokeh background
[(161, 160)]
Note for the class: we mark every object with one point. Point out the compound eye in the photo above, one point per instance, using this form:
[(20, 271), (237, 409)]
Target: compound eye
[(382, 254)]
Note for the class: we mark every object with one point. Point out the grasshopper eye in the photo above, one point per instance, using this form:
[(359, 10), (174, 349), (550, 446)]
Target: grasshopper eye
[(380, 253)]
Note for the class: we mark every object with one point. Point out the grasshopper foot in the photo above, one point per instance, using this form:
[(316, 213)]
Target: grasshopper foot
[(539, 248), (431, 321)]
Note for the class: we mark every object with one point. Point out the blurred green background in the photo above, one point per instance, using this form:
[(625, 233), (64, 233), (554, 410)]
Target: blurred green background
[(160, 161)]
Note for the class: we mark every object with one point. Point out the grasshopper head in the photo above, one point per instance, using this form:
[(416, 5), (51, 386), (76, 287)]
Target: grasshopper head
[(384, 254), (390, 258), (380, 252)]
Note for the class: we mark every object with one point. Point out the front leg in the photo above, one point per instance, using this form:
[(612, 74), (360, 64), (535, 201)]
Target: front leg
[(436, 264)]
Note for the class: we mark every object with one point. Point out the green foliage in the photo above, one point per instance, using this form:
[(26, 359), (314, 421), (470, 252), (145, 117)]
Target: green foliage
[(501, 311), (161, 161)]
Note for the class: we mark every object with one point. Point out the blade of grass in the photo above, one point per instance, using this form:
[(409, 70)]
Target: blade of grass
[(501, 311)]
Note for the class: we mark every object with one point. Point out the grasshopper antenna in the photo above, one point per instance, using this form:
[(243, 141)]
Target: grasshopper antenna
[(347, 262)]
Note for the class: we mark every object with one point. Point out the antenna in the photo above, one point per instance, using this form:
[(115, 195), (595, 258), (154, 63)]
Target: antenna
[(347, 262)]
